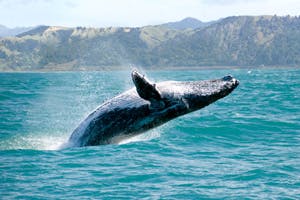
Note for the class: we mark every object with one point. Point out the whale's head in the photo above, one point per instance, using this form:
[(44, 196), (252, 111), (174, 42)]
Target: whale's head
[(197, 94), (187, 95)]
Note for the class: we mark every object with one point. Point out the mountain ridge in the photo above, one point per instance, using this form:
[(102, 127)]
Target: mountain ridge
[(188, 23), (10, 32), (232, 41)]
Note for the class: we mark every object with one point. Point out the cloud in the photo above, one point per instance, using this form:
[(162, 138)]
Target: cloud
[(71, 4), (101, 13)]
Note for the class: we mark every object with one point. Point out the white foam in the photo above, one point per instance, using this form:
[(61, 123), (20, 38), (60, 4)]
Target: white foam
[(142, 137)]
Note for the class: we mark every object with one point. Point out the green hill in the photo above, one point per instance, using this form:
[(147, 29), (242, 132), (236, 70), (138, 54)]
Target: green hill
[(238, 41)]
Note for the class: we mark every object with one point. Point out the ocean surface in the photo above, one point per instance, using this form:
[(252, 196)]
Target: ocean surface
[(245, 146)]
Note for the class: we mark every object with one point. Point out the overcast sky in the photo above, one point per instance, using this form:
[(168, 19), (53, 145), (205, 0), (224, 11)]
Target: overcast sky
[(103, 13)]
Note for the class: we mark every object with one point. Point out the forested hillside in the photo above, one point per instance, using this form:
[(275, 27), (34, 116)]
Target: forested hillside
[(233, 41)]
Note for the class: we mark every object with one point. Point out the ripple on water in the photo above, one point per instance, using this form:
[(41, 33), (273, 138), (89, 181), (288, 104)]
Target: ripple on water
[(243, 146)]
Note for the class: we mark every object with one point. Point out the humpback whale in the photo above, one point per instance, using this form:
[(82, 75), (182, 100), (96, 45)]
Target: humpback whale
[(146, 106)]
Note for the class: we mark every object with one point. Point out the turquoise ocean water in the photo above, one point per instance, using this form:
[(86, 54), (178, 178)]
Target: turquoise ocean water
[(245, 146)]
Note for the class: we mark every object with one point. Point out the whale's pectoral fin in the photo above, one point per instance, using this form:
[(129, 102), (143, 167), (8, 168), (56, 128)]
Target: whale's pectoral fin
[(144, 88), (147, 91)]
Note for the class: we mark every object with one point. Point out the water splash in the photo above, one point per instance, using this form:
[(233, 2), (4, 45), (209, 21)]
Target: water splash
[(46, 143), (34, 141)]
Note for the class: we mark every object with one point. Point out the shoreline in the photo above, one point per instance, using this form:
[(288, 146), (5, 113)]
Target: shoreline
[(156, 68)]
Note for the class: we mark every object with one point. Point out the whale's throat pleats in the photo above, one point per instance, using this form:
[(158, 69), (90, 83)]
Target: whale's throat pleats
[(147, 90)]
